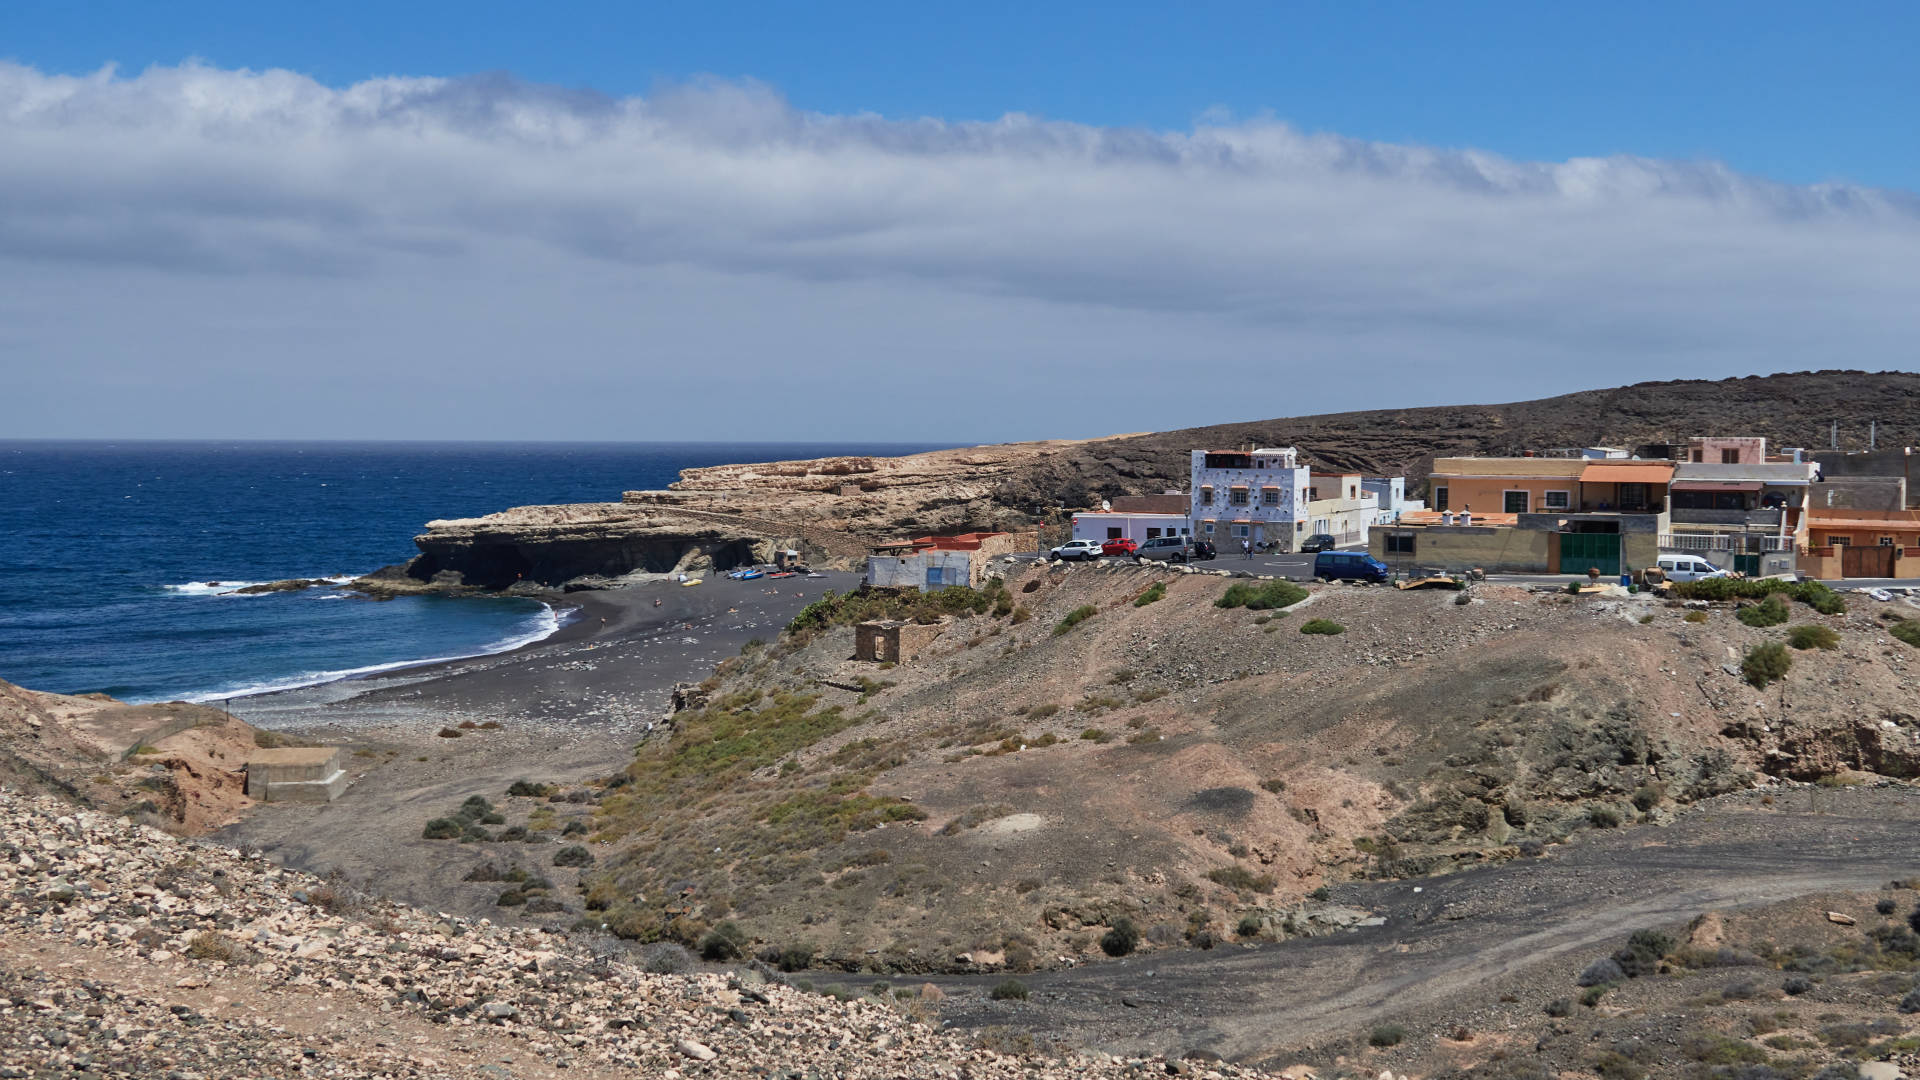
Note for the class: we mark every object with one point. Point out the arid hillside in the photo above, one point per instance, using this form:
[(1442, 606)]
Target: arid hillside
[(1789, 410), (1088, 746)]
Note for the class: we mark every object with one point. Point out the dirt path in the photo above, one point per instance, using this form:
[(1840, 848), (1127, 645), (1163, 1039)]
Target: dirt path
[(1456, 943)]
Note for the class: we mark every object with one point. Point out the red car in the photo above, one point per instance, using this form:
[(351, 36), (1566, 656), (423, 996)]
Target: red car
[(1121, 546)]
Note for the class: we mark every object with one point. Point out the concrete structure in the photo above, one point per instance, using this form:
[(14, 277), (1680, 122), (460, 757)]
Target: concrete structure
[(1171, 502), (1863, 543), (1390, 492), (893, 641), (1138, 527), (309, 774), (1876, 467), (1339, 505), (1726, 450), (1525, 485), (1747, 515), (935, 562), (1255, 495), (1878, 493)]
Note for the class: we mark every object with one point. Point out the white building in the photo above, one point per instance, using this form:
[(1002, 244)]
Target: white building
[(1256, 495), (1135, 526), (1391, 493)]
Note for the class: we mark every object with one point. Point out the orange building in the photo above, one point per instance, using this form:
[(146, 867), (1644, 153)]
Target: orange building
[(1533, 485)]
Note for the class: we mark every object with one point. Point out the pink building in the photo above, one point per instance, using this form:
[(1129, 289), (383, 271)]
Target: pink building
[(1717, 450)]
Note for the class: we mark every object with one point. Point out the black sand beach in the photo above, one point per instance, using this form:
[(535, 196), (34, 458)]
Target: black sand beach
[(568, 708)]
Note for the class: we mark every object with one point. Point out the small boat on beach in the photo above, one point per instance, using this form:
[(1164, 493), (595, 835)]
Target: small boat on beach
[(690, 581), (747, 575)]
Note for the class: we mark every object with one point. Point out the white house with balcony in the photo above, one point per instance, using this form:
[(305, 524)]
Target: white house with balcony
[(1254, 495)]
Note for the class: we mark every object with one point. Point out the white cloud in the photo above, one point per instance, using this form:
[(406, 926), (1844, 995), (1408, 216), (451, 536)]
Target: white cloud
[(1032, 252)]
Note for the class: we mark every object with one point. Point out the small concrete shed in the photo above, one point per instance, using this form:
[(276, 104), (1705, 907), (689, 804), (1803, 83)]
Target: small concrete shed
[(311, 774)]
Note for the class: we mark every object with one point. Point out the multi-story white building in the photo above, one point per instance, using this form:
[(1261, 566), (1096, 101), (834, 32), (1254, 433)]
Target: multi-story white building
[(1255, 495)]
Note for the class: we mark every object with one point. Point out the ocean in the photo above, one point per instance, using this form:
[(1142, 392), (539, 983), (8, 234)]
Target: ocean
[(106, 549)]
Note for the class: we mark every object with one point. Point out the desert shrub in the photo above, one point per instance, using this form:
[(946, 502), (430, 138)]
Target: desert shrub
[(1322, 626), (527, 788), (1250, 926), (513, 833), (1595, 993), (1560, 1007), (1122, 939), (1911, 1003), (1766, 663), (1240, 879), (573, 855), (213, 945), (511, 898), (1096, 735), (1021, 614), (1696, 616), (666, 958), (441, 828), (795, 957), (724, 942), (1075, 618), (1573, 587), (1769, 612), (1614, 1065), (450, 733), (1041, 712), (1795, 985), (1009, 990), (1601, 816), (493, 819), (1814, 594), (1264, 596), (576, 827), (474, 808), (1276, 786), (1643, 953), (1646, 797), (1601, 972), (1155, 592), (1386, 1035), (1907, 630), (1811, 636), (1884, 906), (1645, 619)]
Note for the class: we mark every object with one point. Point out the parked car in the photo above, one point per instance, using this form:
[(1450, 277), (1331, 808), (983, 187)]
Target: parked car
[(1165, 549), (1074, 550), (1203, 549), (1320, 542), (1689, 568), (1348, 566), (1119, 545)]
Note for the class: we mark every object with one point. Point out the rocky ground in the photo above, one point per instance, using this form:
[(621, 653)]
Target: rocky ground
[(129, 953)]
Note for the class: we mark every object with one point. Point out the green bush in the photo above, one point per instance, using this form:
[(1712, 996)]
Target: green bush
[(1766, 663), (796, 957), (1010, 990), (528, 788), (1155, 592), (1907, 631), (1122, 939), (862, 605), (1813, 637), (1075, 618), (1386, 1035), (1322, 626), (1263, 596), (441, 828), (1250, 926), (724, 942), (573, 855), (1814, 594), (1769, 612), (1603, 817), (1696, 616), (475, 807), (1573, 587)]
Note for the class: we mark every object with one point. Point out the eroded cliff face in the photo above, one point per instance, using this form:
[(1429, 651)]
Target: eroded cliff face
[(830, 509)]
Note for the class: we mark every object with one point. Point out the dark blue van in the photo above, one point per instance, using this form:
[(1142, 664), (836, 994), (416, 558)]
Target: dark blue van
[(1348, 566)]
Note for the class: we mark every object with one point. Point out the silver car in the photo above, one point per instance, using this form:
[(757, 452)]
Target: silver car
[(1164, 549)]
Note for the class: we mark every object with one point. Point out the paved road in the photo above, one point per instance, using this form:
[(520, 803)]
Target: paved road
[(1457, 942)]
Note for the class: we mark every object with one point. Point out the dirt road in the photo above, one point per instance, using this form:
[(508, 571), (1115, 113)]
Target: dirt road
[(1452, 945)]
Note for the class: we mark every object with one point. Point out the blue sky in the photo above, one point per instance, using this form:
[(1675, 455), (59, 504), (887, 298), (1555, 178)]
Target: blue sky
[(1790, 91), (995, 221)]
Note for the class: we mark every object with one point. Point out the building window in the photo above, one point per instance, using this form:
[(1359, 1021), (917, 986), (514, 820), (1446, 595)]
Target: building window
[(1113, 533), (1729, 457), (1313, 494), (1699, 456), (1237, 496), (1439, 498), (1837, 541), (1239, 530), (1515, 502), (1352, 492), (1206, 494), (1557, 500), (1399, 543), (1886, 541), (1152, 532), (1209, 528), (1299, 526), (1270, 496)]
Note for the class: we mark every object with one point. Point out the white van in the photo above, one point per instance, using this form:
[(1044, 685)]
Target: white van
[(1689, 568)]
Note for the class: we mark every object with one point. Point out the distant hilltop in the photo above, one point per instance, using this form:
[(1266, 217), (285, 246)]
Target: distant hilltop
[(832, 509)]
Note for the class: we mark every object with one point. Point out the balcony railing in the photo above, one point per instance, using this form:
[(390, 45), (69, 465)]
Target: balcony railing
[(1735, 542)]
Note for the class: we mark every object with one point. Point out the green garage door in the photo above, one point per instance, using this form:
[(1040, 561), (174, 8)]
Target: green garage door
[(1582, 551)]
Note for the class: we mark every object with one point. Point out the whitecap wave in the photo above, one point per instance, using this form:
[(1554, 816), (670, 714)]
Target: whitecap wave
[(538, 627), (230, 588)]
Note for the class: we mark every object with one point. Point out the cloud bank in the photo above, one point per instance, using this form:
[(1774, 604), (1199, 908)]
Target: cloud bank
[(521, 247)]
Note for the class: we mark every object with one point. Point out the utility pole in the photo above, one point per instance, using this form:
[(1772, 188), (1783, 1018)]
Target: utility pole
[(1873, 435)]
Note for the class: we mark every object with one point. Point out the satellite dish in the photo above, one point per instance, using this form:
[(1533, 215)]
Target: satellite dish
[(1105, 506)]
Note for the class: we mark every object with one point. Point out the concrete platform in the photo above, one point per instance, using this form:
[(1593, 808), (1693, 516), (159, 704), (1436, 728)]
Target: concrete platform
[(296, 774)]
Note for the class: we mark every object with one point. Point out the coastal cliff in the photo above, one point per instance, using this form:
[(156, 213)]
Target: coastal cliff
[(829, 509)]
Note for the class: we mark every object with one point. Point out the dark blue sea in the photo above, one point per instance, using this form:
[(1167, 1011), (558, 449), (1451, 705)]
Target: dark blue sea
[(106, 548)]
